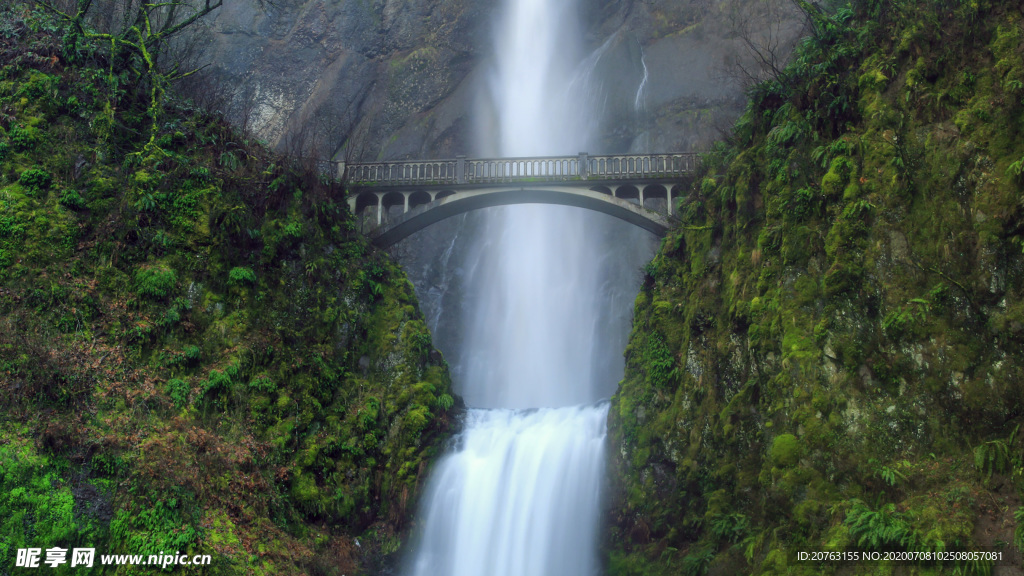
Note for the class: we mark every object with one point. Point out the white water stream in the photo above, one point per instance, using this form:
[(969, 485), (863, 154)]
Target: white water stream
[(549, 290)]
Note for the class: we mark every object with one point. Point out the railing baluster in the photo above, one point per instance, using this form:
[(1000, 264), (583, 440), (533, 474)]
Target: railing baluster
[(495, 170)]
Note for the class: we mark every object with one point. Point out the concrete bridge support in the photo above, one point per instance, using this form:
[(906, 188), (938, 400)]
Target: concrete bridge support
[(407, 196)]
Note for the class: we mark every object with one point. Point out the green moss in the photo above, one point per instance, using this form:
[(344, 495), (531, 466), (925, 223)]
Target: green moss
[(37, 506), (785, 450)]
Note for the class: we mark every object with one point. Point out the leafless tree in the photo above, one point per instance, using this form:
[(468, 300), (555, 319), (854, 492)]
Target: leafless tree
[(137, 35), (766, 31)]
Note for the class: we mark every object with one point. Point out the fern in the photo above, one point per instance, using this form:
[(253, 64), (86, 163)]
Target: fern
[(892, 475), (974, 567), (784, 134), (819, 155), (445, 402), (751, 544), (229, 160), (993, 457), (696, 562), (1018, 534), (730, 527), (885, 528), (1016, 169)]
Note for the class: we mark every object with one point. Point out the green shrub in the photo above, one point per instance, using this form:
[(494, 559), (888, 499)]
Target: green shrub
[(39, 85), (729, 527), (178, 391), (263, 383), (24, 138), (192, 353), (241, 275), (155, 282), (73, 105), (72, 199), (201, 173), (35, 179)]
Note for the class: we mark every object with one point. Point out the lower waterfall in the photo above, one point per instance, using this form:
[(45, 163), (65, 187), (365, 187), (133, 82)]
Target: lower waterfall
[(519, 495)]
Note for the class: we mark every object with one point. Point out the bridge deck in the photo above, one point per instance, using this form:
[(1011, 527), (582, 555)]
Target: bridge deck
[(481, 171)]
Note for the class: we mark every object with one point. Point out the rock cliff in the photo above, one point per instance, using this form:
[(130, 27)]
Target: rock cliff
[(375, 79), (827, 350)]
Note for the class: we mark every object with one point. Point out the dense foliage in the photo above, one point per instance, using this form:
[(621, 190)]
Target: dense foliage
[(828, 350), (198, 353)]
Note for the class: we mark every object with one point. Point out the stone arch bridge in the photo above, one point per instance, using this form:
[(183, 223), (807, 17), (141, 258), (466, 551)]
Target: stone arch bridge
[(395, 199)]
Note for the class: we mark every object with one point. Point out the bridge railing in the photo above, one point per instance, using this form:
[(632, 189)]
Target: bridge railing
[(388, 173), (503, 170), (642, 165)]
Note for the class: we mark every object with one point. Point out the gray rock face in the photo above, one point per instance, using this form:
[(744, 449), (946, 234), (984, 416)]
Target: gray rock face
[(697, 55), (371, 78), (390, 79)]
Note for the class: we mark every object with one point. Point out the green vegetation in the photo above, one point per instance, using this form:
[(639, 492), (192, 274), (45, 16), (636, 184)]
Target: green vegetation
[(197, 350), (828, 349), (38, 505)]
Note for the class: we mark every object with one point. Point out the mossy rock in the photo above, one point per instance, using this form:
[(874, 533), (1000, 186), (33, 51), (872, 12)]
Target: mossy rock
[(786, 450)]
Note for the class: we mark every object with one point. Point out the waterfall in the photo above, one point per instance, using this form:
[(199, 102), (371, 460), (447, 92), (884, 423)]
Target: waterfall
[(519, 496), (640, 101), (549, 291)]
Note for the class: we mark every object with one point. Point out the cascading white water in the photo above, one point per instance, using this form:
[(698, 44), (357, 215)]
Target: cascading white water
[(547, 287), (520, 496)]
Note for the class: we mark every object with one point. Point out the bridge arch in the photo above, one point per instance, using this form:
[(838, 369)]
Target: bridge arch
[(366, 200), (656, 197), (629, 193), (399, 227), (419, 198), (393, 204), (407, 196)]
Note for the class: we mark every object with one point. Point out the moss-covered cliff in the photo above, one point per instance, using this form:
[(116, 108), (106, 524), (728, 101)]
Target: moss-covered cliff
[(197, 351), (827, 351)]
